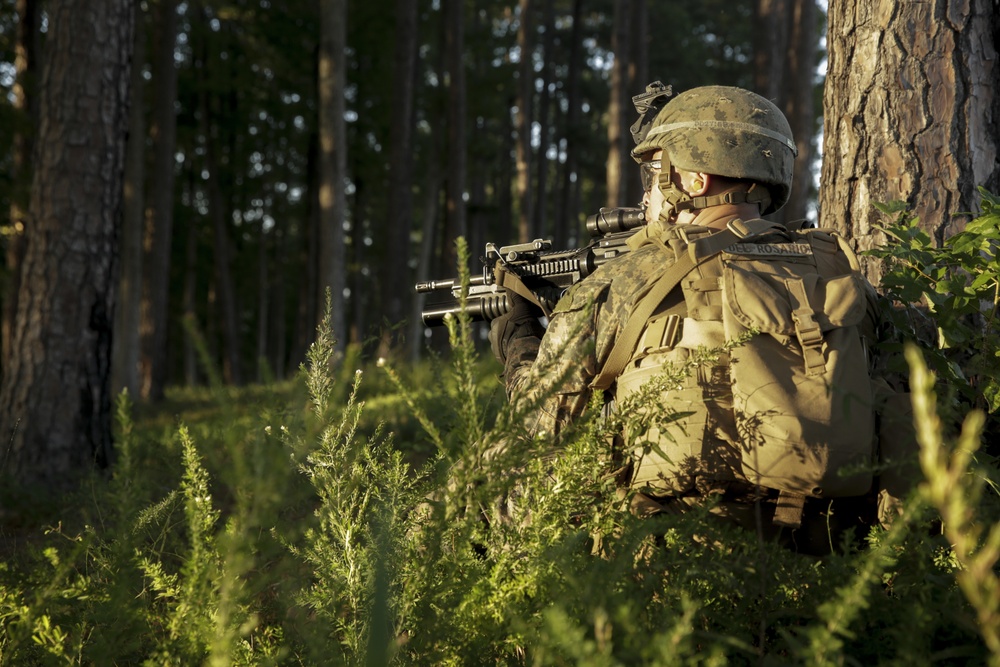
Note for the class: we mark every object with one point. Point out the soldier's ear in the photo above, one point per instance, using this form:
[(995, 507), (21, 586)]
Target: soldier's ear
[(695, 183)]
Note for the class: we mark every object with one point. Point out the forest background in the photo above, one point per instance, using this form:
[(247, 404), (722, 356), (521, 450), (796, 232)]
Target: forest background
[(182, 184), (274, 151)]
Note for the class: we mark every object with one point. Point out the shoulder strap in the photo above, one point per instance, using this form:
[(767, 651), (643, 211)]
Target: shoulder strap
[(699, 252)]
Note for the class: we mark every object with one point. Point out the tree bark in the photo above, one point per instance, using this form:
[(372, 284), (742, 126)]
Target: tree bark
[(160, 212), (911, 114), (55, 399), (332, 160)]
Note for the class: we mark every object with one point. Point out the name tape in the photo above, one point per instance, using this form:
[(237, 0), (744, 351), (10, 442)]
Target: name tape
[(770, 249)]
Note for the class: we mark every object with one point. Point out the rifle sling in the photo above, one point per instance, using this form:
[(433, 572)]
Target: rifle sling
[(512, 282)]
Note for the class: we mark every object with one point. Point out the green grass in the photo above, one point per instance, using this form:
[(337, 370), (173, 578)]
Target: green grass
[(242, 527), (350, 517)]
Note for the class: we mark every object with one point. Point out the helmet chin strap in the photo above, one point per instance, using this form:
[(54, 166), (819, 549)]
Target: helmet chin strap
[(679, 200)]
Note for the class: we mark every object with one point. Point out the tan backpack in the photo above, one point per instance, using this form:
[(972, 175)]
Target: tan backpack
[(789, 406)]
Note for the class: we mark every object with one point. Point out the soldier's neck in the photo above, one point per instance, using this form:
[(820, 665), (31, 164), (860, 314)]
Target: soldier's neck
[(717, 217)]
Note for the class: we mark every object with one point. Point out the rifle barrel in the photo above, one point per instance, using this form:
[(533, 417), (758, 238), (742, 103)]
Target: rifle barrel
[(447, 284)]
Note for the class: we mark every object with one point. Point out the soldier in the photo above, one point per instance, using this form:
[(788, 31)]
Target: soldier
[(714, 156)]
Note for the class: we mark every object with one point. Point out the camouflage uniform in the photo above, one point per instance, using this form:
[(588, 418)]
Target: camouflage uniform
[(742, 137), (579, 337)]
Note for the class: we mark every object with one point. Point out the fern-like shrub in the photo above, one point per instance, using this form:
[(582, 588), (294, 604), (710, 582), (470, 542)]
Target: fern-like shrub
[(295, 528)]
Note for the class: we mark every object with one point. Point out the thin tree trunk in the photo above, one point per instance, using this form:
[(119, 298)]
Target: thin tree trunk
[(25, 104), (189, 300), (279, 327), (619, 140), (309, 309), (525, 96), (638, 79), (125, 361), (397, 276), (218, 213), (333, 162), (55, 398), (539, 218), (770, 46), (263, 307), (911, 113), (431, 206), (457, 224), (160, 212), (798, 102), (567, 215), (785, 58)]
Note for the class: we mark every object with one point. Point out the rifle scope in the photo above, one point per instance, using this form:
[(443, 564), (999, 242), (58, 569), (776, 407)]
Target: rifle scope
[(612, 220)]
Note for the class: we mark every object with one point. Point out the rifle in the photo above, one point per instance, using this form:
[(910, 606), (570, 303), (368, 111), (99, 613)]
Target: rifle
[(545, 273)]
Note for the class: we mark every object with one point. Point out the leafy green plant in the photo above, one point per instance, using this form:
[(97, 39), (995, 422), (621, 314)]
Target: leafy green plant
[(957, 493), (290, 526), (958, 283)]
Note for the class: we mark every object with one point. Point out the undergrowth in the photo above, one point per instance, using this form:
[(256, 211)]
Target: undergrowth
[(296, 527)]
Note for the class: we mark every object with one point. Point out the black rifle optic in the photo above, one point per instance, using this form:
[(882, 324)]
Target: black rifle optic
[(546, 273)]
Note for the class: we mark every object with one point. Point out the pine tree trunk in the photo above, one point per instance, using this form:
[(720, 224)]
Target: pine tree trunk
[(525, 96), (160, 212), (567, 215), (797, 101), (333, 163), (308, 293), (219, 213), (397, 277), (911, 113), (55, 398), (638, 80), (189, 300), (455, 208), (619, 142), (785, 59), (539, 217), (25, 103), (263, 307), (125, 361)]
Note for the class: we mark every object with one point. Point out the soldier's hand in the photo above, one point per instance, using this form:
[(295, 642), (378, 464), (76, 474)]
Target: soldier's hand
[(518, 322)]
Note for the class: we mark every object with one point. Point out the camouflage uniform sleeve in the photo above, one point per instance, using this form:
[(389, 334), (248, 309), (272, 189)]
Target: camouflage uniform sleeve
[(548, 380)]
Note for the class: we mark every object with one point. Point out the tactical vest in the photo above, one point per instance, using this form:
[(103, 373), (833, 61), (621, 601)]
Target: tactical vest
[(787, 403)]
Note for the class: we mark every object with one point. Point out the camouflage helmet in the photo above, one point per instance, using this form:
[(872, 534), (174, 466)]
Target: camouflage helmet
[(725, 131)]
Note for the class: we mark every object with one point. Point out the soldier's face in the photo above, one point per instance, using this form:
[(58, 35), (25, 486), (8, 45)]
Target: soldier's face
[(652, 198)]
